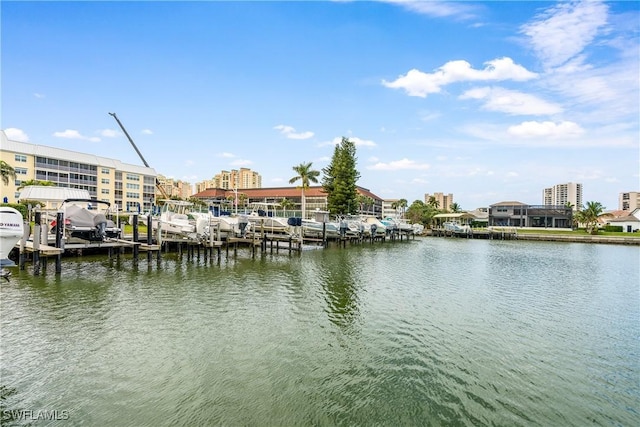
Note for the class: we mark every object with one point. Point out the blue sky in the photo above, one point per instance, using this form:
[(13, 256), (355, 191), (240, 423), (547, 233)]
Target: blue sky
[(490, 101)]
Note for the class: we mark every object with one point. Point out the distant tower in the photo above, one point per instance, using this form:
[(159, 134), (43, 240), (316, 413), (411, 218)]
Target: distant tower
[(444, 200), (561, 194), (629, 201)]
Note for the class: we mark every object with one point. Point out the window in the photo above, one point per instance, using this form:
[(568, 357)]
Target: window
[(21, 171), (106, 171), (133, 186), (132, 177), (104, 181), (21, 158), (105, 191)]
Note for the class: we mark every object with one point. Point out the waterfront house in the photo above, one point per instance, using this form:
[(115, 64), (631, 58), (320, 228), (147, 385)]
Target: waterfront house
[(518, 214), (630, 223)]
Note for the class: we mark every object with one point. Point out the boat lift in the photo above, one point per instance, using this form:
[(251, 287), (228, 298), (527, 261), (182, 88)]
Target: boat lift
[(158, 185)]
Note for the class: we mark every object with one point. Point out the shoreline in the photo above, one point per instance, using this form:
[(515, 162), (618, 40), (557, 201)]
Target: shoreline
[(514, 235)]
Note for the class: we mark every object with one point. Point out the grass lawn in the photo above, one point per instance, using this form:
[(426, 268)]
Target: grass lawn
[(580, 232)]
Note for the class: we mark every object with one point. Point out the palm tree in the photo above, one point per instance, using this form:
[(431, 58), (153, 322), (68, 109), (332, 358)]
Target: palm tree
[(589, 216), (29, 182), (455, 208), (305, 175), (7, 172), (402, 205), (433, 202), (286, 204)]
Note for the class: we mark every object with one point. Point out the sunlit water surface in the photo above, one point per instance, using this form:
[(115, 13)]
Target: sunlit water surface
[(433, 331)]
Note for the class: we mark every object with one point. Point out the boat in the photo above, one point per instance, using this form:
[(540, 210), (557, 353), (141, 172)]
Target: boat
[(175, 219), (11, 230), (319, 226), (86, 219), (456, 227), (397, 224), (263, 217), (378, 229)]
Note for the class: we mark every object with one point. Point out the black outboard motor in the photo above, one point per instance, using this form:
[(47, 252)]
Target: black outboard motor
[(243, 221), (100, 222)]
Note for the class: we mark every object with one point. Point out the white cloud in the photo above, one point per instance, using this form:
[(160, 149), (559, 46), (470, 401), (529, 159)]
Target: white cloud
[(418, 83), (561, 32), (403, 164), (109, 133), (358, 142), (438, 9), (146, 132), (511, 102), (291, 133), (226, 155), (39, 95), (241, 162), (16, 134), (74, 134), (547, 129)]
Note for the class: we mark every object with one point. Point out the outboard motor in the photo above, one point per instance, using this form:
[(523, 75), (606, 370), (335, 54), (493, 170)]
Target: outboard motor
[(243, 221), (11, 230), (374, 228), (100, 222)]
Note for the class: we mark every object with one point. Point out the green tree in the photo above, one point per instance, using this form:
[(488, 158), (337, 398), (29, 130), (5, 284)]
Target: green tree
[(286, 204), (402, 205), (421, 213), (306, 175), (590, 215), (433, 202), (455, 208), (340, 178), (29, 182), (7, 172)]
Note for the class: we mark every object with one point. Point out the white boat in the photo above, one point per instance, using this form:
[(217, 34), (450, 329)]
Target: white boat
[(378, 229), (398, 224), (263, 217), (87, 219), (175, 219), (456, 227), (11, 230)]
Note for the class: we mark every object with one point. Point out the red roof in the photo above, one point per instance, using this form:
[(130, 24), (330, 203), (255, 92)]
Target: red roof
[(278, 192)]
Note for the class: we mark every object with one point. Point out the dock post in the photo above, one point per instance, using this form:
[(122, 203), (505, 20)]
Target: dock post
[(135, 236), (59, 220), (36, 243), (149, 236), (23, 244)]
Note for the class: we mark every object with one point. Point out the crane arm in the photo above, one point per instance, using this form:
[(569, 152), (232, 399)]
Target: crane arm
[(158, 185)]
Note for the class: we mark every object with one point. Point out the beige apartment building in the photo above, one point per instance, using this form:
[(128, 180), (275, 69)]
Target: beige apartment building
[(562, 194), (174, 188), (629, 201), (243, 178), (444, 200), (130, 187)]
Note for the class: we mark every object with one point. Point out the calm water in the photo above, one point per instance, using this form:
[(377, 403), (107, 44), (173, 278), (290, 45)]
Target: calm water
[(429, 332)]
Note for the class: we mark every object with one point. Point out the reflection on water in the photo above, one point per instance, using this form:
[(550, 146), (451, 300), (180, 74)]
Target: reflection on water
[(428, 332)]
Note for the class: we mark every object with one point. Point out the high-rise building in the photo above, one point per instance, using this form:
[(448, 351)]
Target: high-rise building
[(561, 194), (175, 187), (444, 201), (244, 178), (629, 201)]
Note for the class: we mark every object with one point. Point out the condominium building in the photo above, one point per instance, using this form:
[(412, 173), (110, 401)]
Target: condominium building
[(563, 194), (130, 187), (175, 187), (443, 201), (629, 201), (241, 179)]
